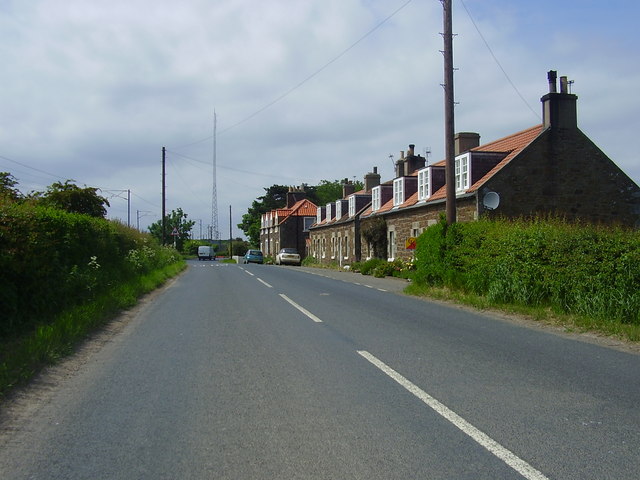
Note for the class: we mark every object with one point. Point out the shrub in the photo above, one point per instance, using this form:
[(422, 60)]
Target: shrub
[(52, 260), (581, 269)]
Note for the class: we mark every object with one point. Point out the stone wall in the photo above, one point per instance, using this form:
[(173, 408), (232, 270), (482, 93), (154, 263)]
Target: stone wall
[(564, 173)]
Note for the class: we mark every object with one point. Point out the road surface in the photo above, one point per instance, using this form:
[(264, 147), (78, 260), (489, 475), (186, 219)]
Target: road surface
[(265, 372)]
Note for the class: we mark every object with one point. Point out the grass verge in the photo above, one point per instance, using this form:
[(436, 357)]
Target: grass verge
[(543, 314), (22, 358)]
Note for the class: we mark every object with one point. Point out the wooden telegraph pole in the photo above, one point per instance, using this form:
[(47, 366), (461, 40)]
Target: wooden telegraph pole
[(449, 124), (164, 192)]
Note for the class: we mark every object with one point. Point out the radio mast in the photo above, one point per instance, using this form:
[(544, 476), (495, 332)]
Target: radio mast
[(215, 233)]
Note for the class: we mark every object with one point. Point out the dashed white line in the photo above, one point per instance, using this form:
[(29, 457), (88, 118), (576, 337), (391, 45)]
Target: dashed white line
[(303, 310), (263, 282), (508, 457)]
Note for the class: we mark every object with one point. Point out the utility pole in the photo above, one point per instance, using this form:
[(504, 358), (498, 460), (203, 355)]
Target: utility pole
[(164, 193), (449, 124), (215, 235), (230, 235)]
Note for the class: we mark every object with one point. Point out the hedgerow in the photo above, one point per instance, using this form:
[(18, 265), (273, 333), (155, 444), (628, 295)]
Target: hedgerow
[(578, 269), (52, 260)]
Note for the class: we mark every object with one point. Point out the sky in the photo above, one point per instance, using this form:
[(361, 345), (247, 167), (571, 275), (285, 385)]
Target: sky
[(302, 90)]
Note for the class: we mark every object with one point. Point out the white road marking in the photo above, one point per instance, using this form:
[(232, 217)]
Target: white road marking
[(508, 457), (306, 312), (249, 273), (263, 282)]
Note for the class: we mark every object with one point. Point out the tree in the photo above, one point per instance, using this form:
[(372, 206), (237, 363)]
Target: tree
[(7, 186), (176, 221), (275, 197), (71, 198)]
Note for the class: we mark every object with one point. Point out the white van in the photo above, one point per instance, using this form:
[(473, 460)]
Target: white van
[(206, 252)]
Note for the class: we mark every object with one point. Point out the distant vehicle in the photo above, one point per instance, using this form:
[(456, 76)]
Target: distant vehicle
[(288, 256), (253, 256), (206, 252)]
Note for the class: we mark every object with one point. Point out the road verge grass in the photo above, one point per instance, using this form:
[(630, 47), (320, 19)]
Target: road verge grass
[(26, 355), (537, 313)]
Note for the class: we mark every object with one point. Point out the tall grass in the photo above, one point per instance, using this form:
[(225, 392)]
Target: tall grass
[(584, 270)]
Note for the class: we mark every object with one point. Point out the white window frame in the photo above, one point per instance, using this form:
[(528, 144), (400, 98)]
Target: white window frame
[(338, 210), (352, 206), (392, 250), (424, 185), (463, 171), (398, 191), (376, 193)]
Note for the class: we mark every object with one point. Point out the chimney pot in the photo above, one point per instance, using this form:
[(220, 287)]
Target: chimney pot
[(563, 85), (552, 75), (411, 150)]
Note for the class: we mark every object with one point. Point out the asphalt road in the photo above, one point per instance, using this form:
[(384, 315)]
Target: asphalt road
[(258, 372)]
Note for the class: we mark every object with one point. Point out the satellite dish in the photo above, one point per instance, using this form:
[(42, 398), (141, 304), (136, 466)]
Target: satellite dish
[(491, 200)]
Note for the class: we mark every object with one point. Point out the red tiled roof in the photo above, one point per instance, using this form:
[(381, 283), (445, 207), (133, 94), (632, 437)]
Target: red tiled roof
[(513, 144), (304, 208)]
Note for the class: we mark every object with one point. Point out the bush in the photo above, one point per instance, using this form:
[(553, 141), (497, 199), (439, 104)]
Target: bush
[(580, 269), (309, 261), (52, 260)]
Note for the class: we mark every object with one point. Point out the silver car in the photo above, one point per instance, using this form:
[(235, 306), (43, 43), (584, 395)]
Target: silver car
[(288, 256)]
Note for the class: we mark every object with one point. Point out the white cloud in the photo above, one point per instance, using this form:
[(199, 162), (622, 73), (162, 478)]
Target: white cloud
[(93, 90)]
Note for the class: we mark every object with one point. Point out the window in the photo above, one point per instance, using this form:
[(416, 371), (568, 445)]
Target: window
[(319, 214), (398, 191), (308, 221), (462, 172), (338, 209), (375, 199), (424, 189), (352, 206), (392, 245)]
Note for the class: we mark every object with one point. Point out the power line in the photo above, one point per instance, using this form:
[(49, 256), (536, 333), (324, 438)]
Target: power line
[(32, 168), (300, 84), (498, 62)]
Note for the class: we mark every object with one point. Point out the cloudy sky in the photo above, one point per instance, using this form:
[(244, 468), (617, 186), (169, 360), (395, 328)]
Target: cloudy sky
[(303, 90)]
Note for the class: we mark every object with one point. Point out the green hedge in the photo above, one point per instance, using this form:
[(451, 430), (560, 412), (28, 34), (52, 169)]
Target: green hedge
[(52, 260), (580, 269)]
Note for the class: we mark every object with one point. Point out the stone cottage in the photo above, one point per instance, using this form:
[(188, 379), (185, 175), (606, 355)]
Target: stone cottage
[(552, 168)]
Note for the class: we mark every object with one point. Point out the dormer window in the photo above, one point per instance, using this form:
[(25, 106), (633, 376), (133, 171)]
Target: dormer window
[(375, 198), (398, 191), (462, 168), (338, 210), (352, 206), (329, 209), (424, 187)]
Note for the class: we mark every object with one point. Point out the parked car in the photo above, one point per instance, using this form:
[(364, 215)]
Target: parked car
[(288, 256), (253, 256)]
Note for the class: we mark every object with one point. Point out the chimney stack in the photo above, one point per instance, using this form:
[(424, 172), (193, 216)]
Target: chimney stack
[(465, 141), (348, 188), (559, 109), (371, 180), (413, 162)]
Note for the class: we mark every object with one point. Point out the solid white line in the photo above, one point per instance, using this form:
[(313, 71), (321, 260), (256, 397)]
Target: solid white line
[(508, 457), (263, 282), (306, 312)]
